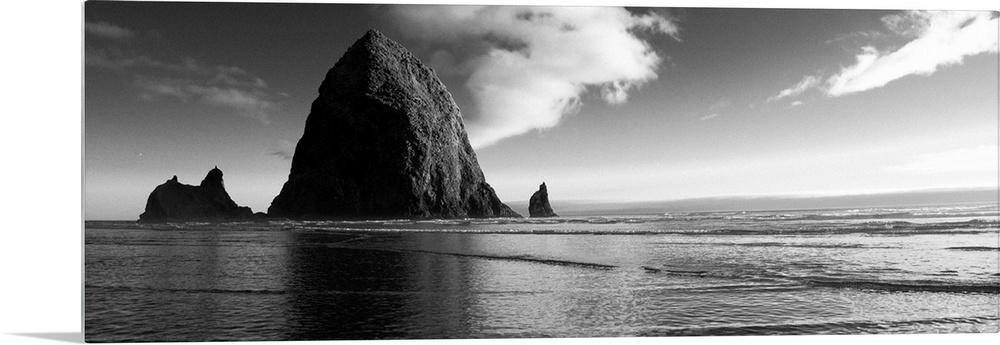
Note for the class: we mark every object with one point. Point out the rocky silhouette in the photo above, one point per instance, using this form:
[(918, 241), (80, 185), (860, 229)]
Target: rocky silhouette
[(538, 205), (384, 139), (208, 201)]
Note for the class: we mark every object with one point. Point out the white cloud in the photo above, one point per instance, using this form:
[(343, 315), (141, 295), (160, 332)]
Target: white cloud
[(942, 38), (251, 103), (109, 31), (714, 110), (936, 39), (855, 37), (807, 83), (248, 103), (616, 92), (909, 24), (974, 159), (187, 79), (796, 103), (162, 87), (530, 66), (115, 59), (214, 74), (233, 76), (285, 149)]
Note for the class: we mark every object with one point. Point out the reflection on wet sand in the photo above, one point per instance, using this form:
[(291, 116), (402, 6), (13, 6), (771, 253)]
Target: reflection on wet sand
[(169, 285)]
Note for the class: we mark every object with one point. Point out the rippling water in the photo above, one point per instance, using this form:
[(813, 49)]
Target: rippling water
[(877, 270)]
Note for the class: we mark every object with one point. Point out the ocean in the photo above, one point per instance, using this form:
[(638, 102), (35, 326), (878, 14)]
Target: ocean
[(919, 269)]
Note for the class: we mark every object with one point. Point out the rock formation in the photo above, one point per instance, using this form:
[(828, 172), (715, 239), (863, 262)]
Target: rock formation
[(175, 201), (384, 139), (538, 205)]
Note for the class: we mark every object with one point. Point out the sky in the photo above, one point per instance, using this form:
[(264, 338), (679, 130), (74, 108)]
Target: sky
[(601, 103)]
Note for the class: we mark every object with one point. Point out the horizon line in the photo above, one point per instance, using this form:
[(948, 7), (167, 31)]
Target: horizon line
[(751, 197), (800, 195)]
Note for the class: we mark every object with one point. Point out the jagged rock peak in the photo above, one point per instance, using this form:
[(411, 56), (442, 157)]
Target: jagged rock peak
[(538, 205), (213, 179), (384, 139), (376, 47), (375, 39), (209, 201), (381, 67)]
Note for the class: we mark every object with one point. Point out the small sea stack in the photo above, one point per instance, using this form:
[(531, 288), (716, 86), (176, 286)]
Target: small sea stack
[(208, 201), (384, 139), (538, 205)]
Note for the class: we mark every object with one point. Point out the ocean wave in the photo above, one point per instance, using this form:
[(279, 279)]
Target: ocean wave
[(900, 228), (195, 226), (120, 289), (991, 211), (778, 244), (890, 286), (798, 245), (694, 273), (681, 226), (754, 276), (713, 223), (524, 258), (806, 275), (839, 327), (975, 249), (518, 258)]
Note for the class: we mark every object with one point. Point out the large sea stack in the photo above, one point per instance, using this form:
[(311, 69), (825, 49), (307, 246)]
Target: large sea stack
[(209, 201), (384, 139), (538, 205)]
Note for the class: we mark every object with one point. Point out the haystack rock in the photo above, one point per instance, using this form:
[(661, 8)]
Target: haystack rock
[(384, 139), (175, 201), (538, 205)]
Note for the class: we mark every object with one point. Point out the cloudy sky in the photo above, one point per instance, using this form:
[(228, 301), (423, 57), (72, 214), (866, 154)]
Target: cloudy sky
[(601, 103)]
